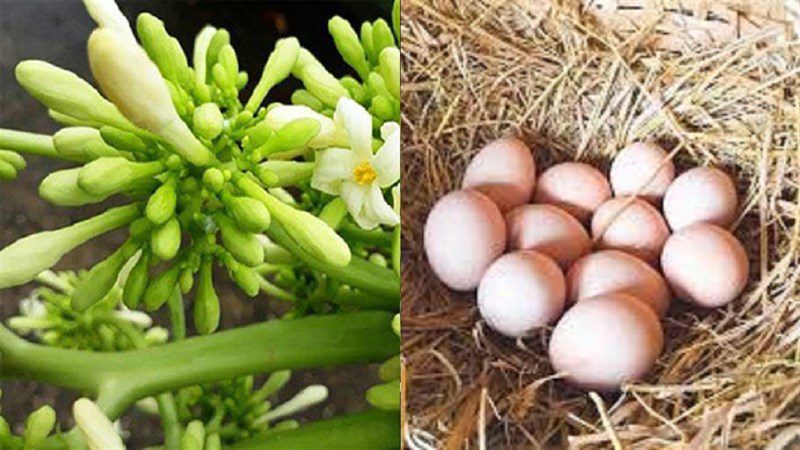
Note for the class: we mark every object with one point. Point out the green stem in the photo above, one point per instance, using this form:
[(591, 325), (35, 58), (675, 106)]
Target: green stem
[(377, 237), (169, 421), (119, 379), (31, 143), (359, 273), (364, 301), (373, 430)]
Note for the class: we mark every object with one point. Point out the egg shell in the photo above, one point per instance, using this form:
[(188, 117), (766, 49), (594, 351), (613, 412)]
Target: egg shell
[(705, 265), (550, 230), (612, 271), (521, 291), (574, 187), (464, 233), (702, 194), (605, 341), (642, 169), (631, 225), (505, 171)]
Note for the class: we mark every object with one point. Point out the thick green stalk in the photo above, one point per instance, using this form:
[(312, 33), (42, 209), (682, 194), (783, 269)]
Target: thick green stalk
[(359, 274), (119, 379), (373, 430), (31, 143)]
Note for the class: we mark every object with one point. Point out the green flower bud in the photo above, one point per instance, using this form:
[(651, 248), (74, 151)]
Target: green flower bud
[(7, 171), (107, 176), (355, 89), (385, 396), (220, 39), (396, 324), (122, 140), (213, 179), (163, 49), (186, 280), (329, 134), (249, 214), (213, 442), (195, 436), (346, 40), (396, 19), (365, 34), (227, 58), (377, 85), (318, 80), (38, 426), (389, 69), (159, 290), (378, 260), (161, 205), (208, 120), (382, 36), (5, 429), (279, 65), (21, 261), (305, 98), (136, 282), (275, 382), (83, 144), (222, 79), (200, 54), (61, 188), (165, 241), (97, 430), (390, 369), (334, 213), (128, 77), (382, 108), (70, 121), (310, 233), (99, 281), (289, 173), (243, 245), (258, 134), (14, 159), (246, 278), (66, 93), (296, 134), (206, 302)]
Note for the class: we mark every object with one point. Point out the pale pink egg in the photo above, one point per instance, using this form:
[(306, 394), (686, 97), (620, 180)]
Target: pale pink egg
[(603, 342), (505, 171), (464, 234), (642, 169), (631, 225), (705, 265), (612, 271), (702, 194), (549, 230), (521, 291), (574, 187)]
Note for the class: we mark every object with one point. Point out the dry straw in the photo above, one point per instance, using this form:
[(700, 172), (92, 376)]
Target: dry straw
[(580, 90)]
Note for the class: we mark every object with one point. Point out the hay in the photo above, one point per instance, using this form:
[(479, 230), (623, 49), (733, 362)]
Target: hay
[(574, 90)]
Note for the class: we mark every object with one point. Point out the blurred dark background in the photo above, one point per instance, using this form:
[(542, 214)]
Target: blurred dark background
[(56, 31)]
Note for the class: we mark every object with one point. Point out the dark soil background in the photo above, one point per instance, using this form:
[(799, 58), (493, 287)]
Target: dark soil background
[(56, 31)]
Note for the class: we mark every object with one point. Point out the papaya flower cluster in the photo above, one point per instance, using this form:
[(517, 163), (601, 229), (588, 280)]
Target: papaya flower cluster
[(205, 175)]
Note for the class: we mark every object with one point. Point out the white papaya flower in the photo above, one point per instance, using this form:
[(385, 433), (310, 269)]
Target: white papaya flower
[(356, 174), (98, 430), (106, 14)]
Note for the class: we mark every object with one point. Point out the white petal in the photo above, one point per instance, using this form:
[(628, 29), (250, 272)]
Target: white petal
[(378, 209), (107, 14), (328, 135), (387, 161), (355, 196), (388, 129), (98, 431), (358, 123), (333, 167)]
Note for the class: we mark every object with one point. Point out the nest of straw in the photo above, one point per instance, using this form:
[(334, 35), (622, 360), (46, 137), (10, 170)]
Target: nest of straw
[(575, 90)]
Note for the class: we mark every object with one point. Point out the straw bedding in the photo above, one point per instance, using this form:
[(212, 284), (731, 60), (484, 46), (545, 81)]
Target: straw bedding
[(575, 90)]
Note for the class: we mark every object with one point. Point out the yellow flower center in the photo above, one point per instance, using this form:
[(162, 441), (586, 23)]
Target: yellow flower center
[(364, 174)]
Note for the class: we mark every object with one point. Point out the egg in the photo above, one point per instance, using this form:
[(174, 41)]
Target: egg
[(574, 187), (505, 171), (547, 229), (631, 225), (605, 341), (642, 169), (612, 271), (705, 265), (702, 194), (521, 291), (463, 234)]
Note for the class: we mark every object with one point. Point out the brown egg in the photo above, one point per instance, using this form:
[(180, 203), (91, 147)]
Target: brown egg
[(642, 169), (612, 271), (631, 225), (603, 342), (521, 291), (702, 194), (574, 187), (464, 233), (505, 171), (705, 265), (547, 229)]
